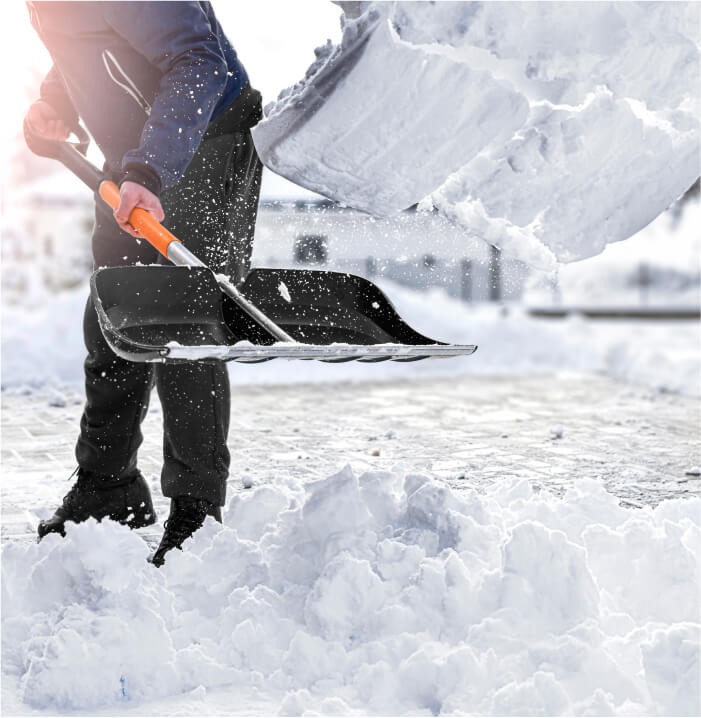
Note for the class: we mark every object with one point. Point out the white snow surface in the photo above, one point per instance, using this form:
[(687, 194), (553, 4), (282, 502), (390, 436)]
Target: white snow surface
[(380, 593), (547, 129)]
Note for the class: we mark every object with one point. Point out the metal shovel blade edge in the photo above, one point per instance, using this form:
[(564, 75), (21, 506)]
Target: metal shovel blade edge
[(165, 313)]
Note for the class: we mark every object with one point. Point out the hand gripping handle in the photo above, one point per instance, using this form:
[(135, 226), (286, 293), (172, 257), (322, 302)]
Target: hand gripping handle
[(148, 227), (45, 147)]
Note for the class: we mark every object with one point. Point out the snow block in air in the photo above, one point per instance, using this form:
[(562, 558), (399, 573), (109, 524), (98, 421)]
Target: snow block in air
[(548, 130)]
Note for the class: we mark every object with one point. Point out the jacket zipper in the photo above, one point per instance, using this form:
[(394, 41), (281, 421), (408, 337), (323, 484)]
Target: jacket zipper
[(120, 77)]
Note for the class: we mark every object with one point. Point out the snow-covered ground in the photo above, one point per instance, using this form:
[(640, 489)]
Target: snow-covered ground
[(492, 573), (548, 129), (398, 591)]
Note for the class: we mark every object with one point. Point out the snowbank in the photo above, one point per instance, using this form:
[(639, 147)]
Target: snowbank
[(665, 257), (547, 129), (42, 339), (382, 593)]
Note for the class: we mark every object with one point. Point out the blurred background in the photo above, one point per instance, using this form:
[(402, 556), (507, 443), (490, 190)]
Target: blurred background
[(632, 311)]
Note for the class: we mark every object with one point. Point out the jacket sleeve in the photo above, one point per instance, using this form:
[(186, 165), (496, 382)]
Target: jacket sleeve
[(53, 91), (177, 38)]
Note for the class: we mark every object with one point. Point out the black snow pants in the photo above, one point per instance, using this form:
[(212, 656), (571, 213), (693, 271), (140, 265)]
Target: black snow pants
[(212, 210)]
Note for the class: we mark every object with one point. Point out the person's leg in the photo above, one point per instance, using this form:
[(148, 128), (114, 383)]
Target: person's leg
[(116, 390), (212, 210), (109, 483)]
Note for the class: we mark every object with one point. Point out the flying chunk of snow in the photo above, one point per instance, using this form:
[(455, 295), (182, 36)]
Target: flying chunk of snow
[(284, 292), (548, 130), (557, 432)]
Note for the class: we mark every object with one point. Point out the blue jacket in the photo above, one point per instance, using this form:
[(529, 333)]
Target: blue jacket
[(146, 78)]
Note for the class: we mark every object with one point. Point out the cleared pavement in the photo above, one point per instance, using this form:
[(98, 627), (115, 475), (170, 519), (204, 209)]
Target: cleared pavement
[(552, 429)]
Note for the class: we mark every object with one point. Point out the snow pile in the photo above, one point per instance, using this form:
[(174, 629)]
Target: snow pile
[(653, 363), (382, 593), (547, 129)]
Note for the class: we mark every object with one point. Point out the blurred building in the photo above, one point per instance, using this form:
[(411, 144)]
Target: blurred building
[(421, 250), (417, 249)]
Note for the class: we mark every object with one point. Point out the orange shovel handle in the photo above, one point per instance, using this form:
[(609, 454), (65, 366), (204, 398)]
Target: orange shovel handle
[(149, 228)]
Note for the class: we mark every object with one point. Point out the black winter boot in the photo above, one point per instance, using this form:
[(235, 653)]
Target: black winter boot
[(187, 514), (128, 503)]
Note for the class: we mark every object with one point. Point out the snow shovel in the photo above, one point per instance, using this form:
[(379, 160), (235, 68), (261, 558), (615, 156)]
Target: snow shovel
[(160, 313)]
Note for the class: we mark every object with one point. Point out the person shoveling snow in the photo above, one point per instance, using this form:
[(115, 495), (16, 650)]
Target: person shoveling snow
[(161, 90), (196, 146)]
